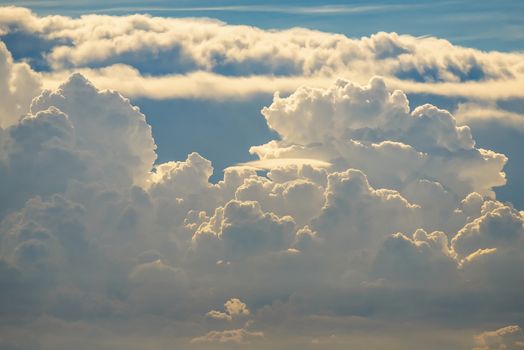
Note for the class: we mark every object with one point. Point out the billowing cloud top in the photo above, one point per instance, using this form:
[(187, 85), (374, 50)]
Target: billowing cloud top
[(367, 127), (373, 219)]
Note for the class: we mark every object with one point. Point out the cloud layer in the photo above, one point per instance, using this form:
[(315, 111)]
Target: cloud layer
[(170, 57)]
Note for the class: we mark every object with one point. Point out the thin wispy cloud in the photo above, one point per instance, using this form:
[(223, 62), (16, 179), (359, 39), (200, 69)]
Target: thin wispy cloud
[(285, 9)]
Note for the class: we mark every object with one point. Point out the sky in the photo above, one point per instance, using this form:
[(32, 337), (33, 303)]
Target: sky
[(487, 25), (246, 174)]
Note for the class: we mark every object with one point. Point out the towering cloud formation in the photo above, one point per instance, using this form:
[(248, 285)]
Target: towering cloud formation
[(370, 211), (90, 209), (369, 128), (53, 145)]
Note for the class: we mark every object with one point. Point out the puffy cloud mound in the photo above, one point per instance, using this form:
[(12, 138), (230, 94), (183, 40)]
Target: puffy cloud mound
[(370, 128), (243, 229), (76, 132), (356, 216), (423, 260), (124, 148)]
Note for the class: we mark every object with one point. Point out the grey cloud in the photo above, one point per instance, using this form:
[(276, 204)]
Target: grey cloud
[(244, 229)]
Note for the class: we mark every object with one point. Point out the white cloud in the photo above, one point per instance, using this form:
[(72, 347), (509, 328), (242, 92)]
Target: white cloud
[(124, 147), (18, 86), (74, 133), (173, 57), (370, 128)]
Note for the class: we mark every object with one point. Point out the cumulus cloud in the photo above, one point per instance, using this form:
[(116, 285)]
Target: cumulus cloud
[(126, 158), (356, 216), (367, 127), (52, 145), (115, 234), (499, 225), (241, 228), (367, 210), (234, 308), (424, 260)]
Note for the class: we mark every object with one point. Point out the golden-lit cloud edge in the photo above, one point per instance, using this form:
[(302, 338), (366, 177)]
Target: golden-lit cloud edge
[(269, 164), (208, 85)]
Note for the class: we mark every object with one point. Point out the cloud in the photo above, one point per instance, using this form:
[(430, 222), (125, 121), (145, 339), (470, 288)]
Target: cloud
[(213, 86), (498, 125), (53, 145), (498, 339), (173, 57), (498, 226), (106, 234), (489, 248), (370, 128), (125, 158), (242, 229), (238, 336), (300, 198), (19, 85), (234, 308), (355, 216), (488, 111), (424, 260), (326, 9), (367, 211), (268, 164)]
